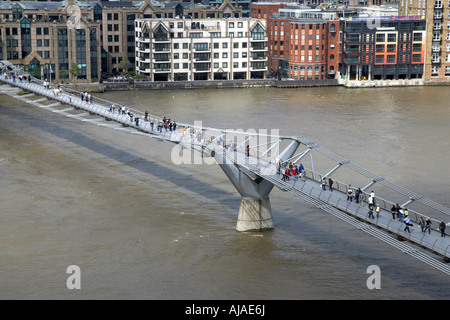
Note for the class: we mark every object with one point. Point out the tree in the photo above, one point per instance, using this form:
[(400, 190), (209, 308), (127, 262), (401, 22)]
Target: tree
[(124, 65), (63, 74), (74, 70)]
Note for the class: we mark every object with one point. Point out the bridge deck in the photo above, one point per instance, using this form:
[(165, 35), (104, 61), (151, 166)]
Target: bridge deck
[(334, 202)]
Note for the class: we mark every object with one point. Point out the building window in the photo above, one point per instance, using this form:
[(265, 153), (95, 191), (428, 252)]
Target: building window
[(379, 59), (390, 58)]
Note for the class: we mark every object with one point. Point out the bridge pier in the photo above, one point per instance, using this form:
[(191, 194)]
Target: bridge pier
[(254, 215), (255, 212)]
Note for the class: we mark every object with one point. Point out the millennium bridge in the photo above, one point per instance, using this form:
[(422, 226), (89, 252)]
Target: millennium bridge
[(255, 163)]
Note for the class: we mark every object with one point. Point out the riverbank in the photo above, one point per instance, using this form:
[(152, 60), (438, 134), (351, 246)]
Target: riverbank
[(124, 85)]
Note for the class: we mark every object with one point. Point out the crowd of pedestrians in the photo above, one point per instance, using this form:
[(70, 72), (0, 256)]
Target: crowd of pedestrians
[(402, 214)]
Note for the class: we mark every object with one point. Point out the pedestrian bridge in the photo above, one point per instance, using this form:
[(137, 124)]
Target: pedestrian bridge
[(253, 162)]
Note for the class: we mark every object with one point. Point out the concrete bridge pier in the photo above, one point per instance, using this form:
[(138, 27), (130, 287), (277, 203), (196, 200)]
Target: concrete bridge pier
[(255, 211), (254, 215)]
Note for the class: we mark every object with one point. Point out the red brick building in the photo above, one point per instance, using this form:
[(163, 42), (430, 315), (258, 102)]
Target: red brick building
[(299, 48)]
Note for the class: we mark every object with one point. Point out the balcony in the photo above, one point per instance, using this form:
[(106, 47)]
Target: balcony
[(201, 50), (258, 57), (436, 49), (161, 48), (161, 39), (258, 47), (161, 70), (161, 67), (258, 69), (435, 60), (202, 67), (437, 38)]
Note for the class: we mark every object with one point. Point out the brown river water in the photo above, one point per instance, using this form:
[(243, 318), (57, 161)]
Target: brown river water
[(140, 227)]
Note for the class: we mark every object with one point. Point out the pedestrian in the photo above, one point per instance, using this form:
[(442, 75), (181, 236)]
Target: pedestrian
[(377, 210), (422, 224), (407, 224), (146, 116), (400, 215), (393, 211), (70, 98), (330, 182), (302, 174), (324, 184), (357, 196), (427, 225), (372, 194), (371, 211), (349, 193), (247, 150), (285, 175), (442, 228)]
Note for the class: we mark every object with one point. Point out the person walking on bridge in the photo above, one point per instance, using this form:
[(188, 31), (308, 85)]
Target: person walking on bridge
[(324, 184), (442, 228), (330, 182), (393, 211), (407, 223), (349, 193), (427, 225)]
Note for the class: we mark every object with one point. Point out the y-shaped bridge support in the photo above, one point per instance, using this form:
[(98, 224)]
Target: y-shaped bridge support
[(255, 212)]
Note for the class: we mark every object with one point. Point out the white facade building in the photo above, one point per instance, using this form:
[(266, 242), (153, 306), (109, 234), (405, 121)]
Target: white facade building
[(201, 49)]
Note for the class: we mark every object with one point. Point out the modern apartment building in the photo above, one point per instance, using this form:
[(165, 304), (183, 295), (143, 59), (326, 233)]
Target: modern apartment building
[(437, 15), (383, 48), (96, 35), (201, 49)]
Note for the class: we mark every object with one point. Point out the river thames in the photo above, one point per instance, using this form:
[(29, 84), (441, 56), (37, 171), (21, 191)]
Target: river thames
[(140, 227)]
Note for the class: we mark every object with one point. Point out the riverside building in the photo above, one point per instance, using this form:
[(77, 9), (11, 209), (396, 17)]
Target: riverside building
[(201, 49), (437, 15), (46, 38), (303, 43), (383, 48)]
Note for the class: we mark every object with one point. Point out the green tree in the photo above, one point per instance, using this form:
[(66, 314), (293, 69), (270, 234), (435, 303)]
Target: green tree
[(74, 70), (63, 74), (125, 64)]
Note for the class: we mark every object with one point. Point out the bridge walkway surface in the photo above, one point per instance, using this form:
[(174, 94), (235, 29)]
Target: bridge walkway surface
[(335, 202)]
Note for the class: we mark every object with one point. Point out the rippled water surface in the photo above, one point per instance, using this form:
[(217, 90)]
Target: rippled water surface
[(140, 227)]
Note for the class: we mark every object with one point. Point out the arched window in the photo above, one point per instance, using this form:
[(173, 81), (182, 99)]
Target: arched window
[(258, 32), (98, 12), (160, 33), (17, 11), (331, 56)]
